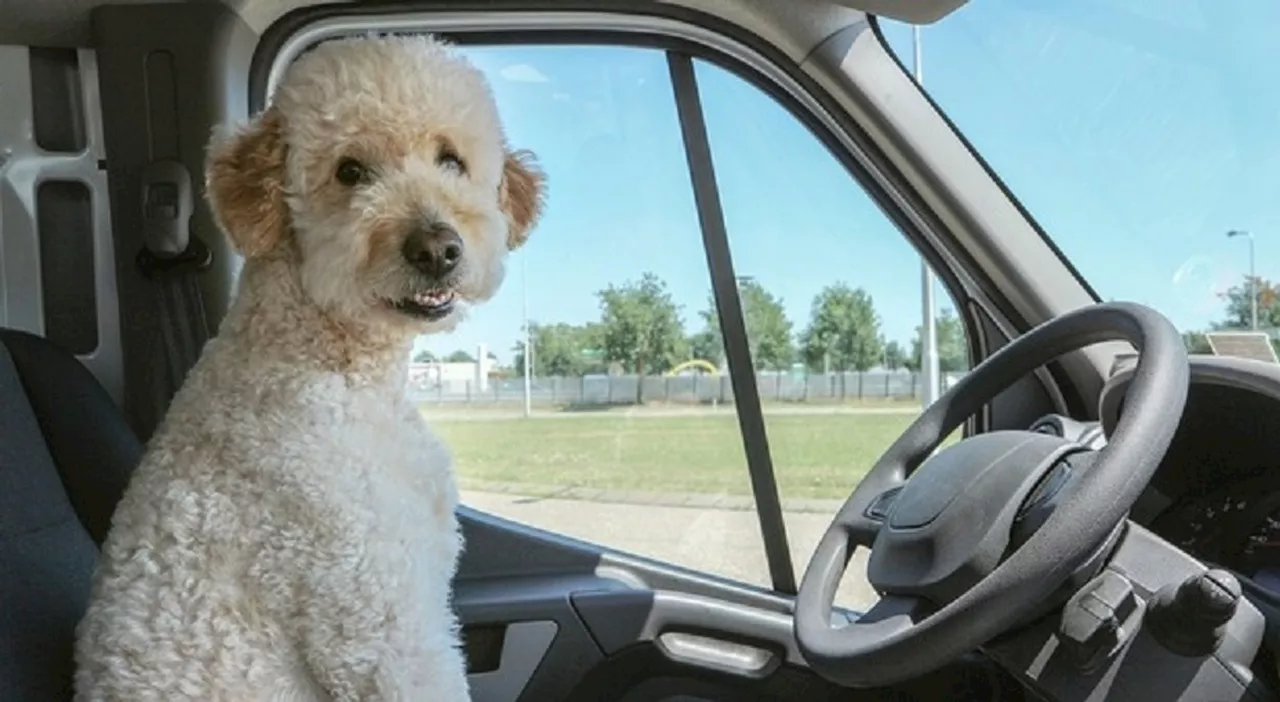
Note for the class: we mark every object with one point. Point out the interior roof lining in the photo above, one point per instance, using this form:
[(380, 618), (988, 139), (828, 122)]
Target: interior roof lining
[(909, 11)]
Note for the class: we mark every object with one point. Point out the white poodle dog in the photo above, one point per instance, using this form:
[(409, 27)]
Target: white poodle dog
[(291, 534)]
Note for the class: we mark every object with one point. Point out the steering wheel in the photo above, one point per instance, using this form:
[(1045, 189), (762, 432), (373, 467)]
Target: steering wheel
[(984, 533)]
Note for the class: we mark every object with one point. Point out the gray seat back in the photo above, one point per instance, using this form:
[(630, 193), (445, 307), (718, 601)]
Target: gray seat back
[(66, 454)]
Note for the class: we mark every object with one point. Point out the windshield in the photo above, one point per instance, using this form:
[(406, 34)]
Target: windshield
[(1144, 137)]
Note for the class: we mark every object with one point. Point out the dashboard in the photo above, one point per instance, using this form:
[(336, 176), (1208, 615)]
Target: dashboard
[(1214, 500), (1217, 493)]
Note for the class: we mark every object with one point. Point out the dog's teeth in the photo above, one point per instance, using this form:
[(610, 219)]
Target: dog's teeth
[(433, 299)]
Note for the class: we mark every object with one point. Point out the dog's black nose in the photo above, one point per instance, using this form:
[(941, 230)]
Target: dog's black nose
[(434, 249)]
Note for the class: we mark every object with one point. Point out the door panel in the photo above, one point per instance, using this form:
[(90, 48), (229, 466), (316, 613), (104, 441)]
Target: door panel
[(685, 473), (522, 647), (547, 618)]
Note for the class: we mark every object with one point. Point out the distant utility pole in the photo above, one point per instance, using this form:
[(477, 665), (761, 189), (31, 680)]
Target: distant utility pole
[(928, 331), (1253, 278)]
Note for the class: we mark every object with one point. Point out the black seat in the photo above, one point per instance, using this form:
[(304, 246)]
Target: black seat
[(66, 453)]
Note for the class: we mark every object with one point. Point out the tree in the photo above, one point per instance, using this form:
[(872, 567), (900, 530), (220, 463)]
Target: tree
[(424, 356), (953, 349), (459, 356), (894, 356), (1196, 342), (768, 329), (1239, 312), (561, 349), (843, 332), (912, 361), (953, 352), (641, 327), (707, 346), (1239, 299)]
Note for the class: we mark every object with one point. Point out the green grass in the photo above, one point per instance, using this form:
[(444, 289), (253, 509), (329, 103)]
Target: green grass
[(815, 456), (507, 405)]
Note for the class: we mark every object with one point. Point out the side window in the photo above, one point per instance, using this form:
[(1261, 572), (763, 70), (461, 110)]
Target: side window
[(632, 438), (831, 296)]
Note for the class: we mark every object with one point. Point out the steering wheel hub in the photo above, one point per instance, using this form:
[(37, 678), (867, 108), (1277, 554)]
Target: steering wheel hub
[(952, 522)]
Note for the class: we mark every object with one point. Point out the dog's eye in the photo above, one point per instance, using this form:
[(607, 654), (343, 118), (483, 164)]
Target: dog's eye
[(351, 172), (450, 159)]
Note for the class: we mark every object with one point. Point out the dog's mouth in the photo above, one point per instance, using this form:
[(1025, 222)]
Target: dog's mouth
[(429, 306)]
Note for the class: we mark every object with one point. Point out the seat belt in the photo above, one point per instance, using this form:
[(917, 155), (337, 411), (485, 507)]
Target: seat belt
[(172, 259)]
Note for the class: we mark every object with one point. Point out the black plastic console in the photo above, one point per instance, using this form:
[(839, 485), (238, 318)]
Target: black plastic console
[(1101, 646)]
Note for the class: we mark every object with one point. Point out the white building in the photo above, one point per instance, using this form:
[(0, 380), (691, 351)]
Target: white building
[(453, 378)]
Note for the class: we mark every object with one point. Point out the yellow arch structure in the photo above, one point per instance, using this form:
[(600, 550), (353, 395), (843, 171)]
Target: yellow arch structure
[(708, 366)]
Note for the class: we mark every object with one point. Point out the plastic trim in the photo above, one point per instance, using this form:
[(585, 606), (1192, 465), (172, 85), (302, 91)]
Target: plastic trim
[(524, 648), (995, 177), (1227, 371), (23, 167)]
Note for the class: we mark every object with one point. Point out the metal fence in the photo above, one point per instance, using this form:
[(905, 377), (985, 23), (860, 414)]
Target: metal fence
[(595, 390)]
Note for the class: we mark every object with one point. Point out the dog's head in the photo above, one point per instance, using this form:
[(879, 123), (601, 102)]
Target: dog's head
[(382, 165)]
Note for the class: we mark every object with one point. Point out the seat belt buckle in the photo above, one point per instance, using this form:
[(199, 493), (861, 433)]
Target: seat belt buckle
[(167, 205)]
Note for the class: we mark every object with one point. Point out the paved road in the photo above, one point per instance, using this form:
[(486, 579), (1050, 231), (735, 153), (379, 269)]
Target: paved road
[(721, 541)]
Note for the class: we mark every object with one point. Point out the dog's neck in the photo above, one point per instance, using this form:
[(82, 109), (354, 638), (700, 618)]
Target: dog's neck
[(273, 321)]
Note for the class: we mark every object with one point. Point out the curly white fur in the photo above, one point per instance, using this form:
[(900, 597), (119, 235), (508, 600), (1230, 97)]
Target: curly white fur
[(290, 534)]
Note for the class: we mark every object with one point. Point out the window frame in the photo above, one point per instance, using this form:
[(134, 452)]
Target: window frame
[(684, 35), (666, 28), (990, 171)]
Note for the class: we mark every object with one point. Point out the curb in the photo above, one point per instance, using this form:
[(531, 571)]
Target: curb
[(533, 492)]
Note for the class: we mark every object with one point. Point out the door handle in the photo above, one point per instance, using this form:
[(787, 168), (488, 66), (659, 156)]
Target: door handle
[(719, 654), (691, 629)]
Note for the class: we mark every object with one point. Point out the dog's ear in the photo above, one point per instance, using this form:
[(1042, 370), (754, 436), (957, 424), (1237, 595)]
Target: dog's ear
[(521, 195), (244, 182)]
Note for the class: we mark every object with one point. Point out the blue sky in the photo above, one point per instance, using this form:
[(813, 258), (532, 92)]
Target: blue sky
[(1136, 133)]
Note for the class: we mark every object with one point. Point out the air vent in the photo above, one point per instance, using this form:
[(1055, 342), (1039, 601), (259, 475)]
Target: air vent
[(1049, 428)]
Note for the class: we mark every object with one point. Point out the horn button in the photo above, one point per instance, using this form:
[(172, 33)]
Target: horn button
[(953, 521)]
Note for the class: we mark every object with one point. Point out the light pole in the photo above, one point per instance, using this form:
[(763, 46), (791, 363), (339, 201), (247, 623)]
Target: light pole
[(928, 331), (528, 350), (1253, 278)]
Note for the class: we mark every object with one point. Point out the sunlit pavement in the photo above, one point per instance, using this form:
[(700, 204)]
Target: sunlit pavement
[(724, 542)]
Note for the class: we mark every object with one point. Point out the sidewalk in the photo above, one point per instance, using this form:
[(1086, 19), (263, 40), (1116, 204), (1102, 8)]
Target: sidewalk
[(718, 539), (542, 491)]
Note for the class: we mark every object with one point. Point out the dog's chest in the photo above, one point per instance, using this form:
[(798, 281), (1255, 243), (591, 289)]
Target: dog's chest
[(411, 471), (414, 502), (385, 468), (408, 485)]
